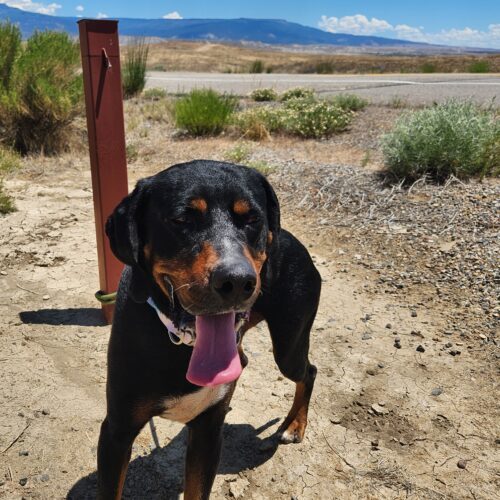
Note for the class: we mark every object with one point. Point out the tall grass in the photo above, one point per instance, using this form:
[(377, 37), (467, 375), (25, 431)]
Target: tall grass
[(134, 68), (203, 112), (44, 94), (454, 138), (10, 44)]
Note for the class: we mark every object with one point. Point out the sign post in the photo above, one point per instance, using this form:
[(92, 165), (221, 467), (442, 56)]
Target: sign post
[(106, 132)]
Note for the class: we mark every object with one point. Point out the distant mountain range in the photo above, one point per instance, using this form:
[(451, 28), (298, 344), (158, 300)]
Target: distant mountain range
[(268, 31)]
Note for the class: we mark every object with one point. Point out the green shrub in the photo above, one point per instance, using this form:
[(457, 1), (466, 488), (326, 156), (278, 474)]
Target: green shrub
[(204, 112), (134, 68), (324, 67), (257, 66), (428, 67), (10, 44), (154, 94), (351, 102), (45, 95), (480, 66), (261, 95), (297, 93), (454, 138), (6, 202)]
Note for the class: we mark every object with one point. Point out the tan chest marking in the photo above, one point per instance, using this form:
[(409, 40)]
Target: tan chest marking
[(185, 408)]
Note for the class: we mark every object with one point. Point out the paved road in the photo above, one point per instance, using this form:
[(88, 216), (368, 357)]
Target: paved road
[(415, 89)]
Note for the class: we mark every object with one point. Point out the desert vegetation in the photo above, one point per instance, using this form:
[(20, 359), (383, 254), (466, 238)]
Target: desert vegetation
[(41, 90), (232, 58), (134, 68), (454, 138)]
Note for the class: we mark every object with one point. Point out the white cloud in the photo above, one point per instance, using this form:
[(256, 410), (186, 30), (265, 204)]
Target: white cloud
[(30, 6), (361, 25), (357, 24), (79, 8), (101, 15), (172, 15)]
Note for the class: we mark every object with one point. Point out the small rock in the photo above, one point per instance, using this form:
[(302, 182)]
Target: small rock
[(366, 336), (24, 453), (379, 410), (414, 314), (335, 420), (46, 297), (44, 477), (437, 391), (462, 464), (397, 344), (23, 481), (238, 487), (420, 348), (3, 273), (448, 345), (381, 365), (45, 412), (388, 326), (371, 372), (455, 352)]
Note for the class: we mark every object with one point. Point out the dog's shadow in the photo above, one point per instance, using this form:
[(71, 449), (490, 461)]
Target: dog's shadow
[(160, 474)]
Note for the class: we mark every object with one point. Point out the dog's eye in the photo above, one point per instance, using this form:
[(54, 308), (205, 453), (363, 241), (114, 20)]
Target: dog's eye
[(252, 219), (178, 221)]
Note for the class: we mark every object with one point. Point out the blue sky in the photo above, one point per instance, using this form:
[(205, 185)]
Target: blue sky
[(453, 22)]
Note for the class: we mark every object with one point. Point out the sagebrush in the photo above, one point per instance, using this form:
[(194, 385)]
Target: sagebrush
[(454, 138), (204, 112)]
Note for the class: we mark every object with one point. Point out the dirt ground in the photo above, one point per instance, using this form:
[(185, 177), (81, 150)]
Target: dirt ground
[(406, 400)]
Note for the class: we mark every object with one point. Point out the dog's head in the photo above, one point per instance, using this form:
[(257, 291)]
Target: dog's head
[(202, 231)]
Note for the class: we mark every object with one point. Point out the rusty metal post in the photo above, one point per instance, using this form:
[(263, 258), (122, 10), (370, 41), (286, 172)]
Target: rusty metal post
[(106, 131)]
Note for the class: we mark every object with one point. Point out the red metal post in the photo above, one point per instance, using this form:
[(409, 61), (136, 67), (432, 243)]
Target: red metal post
[(106, 131)]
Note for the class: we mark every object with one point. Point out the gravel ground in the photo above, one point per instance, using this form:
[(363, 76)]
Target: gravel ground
[(406, 402)]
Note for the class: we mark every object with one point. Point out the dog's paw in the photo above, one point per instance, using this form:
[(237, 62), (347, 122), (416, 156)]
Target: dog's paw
[(292, 433)]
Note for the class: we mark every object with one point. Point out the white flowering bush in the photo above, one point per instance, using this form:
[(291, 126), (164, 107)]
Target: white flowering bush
[(297, 93), (264, 94), (454, 138), (303, 117), (314, 119)]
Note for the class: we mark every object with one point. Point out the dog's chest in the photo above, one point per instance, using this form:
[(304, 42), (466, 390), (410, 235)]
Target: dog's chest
[(185, 408)]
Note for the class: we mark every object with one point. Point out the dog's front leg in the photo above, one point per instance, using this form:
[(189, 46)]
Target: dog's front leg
[(203, 451), (113, 456)]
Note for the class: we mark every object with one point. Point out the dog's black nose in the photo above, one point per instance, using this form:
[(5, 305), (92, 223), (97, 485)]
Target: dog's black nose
[(234, 283)]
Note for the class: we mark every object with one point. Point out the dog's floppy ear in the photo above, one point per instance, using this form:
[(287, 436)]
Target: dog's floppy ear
[(273, 208), (122, 225)]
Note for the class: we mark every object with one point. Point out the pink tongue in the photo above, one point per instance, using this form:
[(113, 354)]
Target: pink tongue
[(215, 358)]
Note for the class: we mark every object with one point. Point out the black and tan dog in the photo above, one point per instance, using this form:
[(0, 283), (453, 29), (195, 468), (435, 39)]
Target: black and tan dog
[(206, 260)]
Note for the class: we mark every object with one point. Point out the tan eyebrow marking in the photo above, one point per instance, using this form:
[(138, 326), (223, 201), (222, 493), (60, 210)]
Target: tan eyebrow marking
[(199, 204), (241, 207)]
